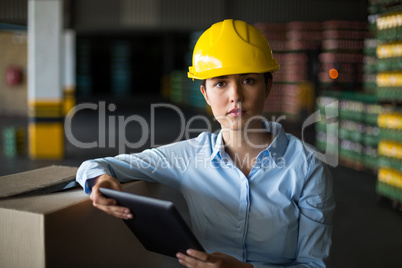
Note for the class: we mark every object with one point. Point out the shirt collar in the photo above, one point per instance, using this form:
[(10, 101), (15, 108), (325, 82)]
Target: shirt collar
[(280, 142), (219, 146), (276, 149)]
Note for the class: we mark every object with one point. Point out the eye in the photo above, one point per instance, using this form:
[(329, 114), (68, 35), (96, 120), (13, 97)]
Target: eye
[(249, 81), (219, 84)]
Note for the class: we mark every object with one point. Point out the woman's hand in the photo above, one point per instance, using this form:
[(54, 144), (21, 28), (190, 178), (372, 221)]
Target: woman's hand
[(199, 259), (106, 204)]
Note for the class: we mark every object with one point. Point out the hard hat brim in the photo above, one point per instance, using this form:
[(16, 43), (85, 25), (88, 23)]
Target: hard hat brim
[(229, 71)]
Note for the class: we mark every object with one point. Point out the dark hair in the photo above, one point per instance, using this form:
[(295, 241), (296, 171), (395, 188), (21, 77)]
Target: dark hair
[(267, 77)]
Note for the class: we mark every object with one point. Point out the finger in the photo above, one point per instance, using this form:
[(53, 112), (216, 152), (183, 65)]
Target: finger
[(117, 211), (119, 214), (109, 205), (99, 199), (203, 256), (190, 261), (186, 260)]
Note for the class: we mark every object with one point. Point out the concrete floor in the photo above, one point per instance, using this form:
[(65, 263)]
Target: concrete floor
[(367, 233)]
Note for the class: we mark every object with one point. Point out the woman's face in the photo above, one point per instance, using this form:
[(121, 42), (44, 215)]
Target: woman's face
[(237, 101)]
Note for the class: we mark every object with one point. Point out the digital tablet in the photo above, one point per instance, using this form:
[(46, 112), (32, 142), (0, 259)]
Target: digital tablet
[(156, 223)]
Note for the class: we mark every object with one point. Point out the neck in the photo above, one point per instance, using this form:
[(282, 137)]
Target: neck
[(244, 146), (246, 140)]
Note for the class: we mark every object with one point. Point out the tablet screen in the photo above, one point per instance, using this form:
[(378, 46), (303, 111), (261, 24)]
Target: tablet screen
[(156, 223)]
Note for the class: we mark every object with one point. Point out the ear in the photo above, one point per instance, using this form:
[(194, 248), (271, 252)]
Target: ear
[(204, 93), (268, 88)]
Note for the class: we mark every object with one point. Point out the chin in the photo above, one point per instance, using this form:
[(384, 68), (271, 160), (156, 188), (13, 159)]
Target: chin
[(233, 127)]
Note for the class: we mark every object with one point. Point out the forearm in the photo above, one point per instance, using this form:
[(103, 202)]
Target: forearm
[(150, 165)]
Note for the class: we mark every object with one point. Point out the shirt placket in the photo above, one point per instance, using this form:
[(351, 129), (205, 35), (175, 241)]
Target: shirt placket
[(244, 206), (243, 213), (245, 201)]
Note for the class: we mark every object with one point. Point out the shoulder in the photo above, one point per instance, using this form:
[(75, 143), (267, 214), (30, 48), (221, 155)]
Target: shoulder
[(205, 141), (300, 148), (304, 156), (311, 171)]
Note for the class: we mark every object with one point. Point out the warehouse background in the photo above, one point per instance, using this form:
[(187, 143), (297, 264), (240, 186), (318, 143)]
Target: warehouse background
[(144, 32), (132, 53)]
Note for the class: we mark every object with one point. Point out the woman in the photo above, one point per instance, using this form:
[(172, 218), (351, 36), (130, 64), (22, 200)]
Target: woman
[(257, 197)]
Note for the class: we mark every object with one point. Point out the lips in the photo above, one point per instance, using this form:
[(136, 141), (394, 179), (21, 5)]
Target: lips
[(237, 112)]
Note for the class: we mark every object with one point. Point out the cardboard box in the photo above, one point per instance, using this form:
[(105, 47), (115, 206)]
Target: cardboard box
[(63, 229), (35, 182)]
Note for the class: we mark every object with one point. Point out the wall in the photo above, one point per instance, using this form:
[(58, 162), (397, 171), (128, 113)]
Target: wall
[(13, 51), (126, 17)]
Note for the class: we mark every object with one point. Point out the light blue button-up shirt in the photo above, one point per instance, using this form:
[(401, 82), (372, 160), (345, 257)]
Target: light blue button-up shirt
[(278, 216)]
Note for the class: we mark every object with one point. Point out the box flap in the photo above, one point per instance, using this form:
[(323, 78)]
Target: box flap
[(48, 203), (44, 204), (38, 181)]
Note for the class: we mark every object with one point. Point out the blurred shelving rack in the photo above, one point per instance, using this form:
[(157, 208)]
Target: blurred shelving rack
[(296, 45), (368, 133), (389, 92)]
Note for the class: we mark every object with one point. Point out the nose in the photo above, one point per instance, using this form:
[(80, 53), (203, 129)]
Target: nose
[(236, 93)]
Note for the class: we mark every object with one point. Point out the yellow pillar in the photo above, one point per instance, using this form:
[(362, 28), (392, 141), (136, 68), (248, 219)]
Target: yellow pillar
[(45, 98), (45, 129)]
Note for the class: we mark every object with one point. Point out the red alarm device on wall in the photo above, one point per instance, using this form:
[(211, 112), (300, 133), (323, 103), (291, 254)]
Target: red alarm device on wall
[(14, 75)]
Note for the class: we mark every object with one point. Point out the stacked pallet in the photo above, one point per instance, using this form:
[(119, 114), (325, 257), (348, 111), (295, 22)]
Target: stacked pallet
[(370, 66), (178, 84), (194, 97), (354, 137), (389, 93), (84, 68), (121, 70), (179, 88), (276, 35), (14, 141), (341, 58), (358, 130), (389, 54), (295, 45), (303, 44), (326, 128), (389, 182)]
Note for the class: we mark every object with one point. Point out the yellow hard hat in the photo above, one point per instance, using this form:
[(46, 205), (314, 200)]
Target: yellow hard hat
[(231, 47)]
